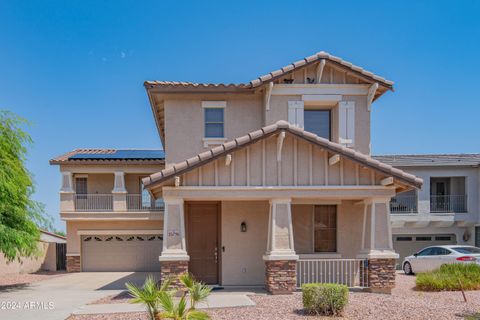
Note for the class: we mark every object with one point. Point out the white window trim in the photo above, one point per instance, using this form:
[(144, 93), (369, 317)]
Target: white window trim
[(208, 141)]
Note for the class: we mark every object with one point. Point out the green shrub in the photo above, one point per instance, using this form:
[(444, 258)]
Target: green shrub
[(324, 298), (450, 277)]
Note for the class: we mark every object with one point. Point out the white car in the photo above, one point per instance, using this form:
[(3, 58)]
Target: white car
[(432, 258)]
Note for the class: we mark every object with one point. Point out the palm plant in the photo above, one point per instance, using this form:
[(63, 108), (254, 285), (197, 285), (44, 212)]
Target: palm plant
[(197, 291), (148, 294), (178, 311)]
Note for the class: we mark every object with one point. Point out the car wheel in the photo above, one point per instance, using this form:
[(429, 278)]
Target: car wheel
[(407, 268)]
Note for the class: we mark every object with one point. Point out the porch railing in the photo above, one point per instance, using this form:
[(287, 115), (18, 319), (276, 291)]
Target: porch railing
[(403, 204), (93, 202), (448, 203), (351, 272), (136, 202)]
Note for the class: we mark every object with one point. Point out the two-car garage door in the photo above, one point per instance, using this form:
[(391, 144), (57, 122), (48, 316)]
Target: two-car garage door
[(121, 252), (406, 245)]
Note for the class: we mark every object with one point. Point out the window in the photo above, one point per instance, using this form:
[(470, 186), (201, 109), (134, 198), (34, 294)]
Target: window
[(424, 239), (443, 238), (318, 122), (467, 250), (214, 122), (325, 228), (426, 252), (404, 238)]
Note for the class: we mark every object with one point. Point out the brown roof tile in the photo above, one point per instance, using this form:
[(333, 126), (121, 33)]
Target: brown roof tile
[(272, 75), (255, 136)]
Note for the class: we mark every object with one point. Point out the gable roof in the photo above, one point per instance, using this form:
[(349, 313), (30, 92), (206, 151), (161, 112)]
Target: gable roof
[(271, 76), (80, 156), (252, 137), (429, 160)]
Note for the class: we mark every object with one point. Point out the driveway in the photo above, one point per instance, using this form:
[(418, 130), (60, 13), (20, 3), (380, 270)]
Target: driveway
[(57, 298)]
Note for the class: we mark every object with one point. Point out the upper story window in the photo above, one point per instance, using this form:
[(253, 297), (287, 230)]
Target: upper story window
[(214, 117), (318, 122), (81, 185)]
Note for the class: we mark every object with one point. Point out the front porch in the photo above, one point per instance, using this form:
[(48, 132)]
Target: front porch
[(280, 243)]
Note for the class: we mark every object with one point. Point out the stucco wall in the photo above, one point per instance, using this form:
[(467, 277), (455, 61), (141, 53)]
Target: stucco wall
[(242, 262), (184, 121), (73, 239), (349, 228), (46, 260)]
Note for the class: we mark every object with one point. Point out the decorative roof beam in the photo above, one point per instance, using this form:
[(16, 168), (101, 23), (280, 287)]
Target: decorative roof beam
[(387, 181), (268, 94), (371, 94), (281, 137), (228, 160), (319, 71), (334, 159)]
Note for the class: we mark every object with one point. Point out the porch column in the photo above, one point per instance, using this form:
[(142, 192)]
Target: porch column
[(119, 192), (280, 258), (174, 258), (67, 194), (377, 246)]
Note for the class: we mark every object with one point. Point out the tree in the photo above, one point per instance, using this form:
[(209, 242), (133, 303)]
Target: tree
[(20, 216)]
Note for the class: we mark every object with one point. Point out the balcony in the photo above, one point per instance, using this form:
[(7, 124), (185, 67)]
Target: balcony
[(111, 203), (448, 203), (404, 204)]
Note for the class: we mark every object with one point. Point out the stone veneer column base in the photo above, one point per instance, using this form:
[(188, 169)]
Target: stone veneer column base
[(73, 264), (381, 275), (281, 276), (171, 270)]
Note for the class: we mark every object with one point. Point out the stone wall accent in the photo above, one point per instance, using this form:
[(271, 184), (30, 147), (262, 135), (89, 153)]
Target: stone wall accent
[(171, 270), (381, 275), (280, 276), (73, 264)]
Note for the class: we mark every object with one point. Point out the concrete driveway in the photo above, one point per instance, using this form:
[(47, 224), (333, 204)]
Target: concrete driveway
[(58, 297)]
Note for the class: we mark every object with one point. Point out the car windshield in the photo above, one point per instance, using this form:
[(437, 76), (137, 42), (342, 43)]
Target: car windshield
[(467, 250)]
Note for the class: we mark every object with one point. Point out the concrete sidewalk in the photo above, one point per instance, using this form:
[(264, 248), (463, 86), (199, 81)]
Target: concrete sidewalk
[(219, 300)]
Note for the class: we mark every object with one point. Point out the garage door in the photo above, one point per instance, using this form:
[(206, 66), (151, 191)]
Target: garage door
[(121, 252), (406, 245)]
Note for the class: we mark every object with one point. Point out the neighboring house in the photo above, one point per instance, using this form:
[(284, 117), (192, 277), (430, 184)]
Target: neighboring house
[(51, 251), (264, 183), (446, 210)]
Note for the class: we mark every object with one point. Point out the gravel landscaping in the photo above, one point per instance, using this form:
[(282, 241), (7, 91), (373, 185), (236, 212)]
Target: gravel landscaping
[(403, 303), (11, 281)]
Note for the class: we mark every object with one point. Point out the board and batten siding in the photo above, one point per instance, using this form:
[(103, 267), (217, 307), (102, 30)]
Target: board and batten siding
[(301, 164)]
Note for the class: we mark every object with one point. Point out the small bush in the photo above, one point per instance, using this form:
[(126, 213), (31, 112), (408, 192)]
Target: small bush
[(324, 298), (450, 277)]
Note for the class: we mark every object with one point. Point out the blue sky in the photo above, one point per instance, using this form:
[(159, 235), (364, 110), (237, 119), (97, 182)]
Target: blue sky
[(75, 69)]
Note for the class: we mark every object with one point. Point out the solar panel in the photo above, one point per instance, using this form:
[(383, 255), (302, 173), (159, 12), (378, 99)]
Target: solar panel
[(122, 155)]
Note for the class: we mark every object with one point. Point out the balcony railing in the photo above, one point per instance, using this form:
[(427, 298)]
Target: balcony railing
[(350, 272), (93, 202), (403, 204), (449, 203), (135, 202)]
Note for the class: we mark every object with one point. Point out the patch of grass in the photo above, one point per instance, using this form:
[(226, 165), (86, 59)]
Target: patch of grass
[(450, 277), (324, 298)]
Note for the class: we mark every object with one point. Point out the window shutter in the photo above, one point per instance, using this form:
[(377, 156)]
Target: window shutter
[(346, 124), (295, 113)]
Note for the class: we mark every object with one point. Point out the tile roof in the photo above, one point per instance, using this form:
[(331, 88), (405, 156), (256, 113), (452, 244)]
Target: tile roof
[(275, 74), (427, 160), (109, 155), (252, 137)]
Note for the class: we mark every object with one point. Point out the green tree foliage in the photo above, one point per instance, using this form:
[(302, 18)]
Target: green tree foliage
[(20, 216)]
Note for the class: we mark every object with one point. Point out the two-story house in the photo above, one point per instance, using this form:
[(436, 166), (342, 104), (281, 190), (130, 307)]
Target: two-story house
[(269, 183), (446, 210)]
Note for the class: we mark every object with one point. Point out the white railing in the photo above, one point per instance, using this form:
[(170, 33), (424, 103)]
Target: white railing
[(351, 272), (403, 204), (449, 203), (135, 202), (93, 202)]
